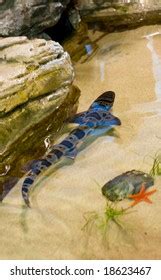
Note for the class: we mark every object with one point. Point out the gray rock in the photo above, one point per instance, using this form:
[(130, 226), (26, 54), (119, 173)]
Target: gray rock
[(74, 18), (29, 17)]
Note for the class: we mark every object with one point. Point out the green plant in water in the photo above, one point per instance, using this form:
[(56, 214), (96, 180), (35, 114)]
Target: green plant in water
[(101, 221), (156, 167), (113, 214)]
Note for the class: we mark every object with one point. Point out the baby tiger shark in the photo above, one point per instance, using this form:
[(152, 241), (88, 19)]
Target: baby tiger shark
[(97, 116)]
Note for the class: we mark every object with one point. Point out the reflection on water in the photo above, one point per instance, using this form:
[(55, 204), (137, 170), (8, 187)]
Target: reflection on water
[(4, 172), (156, 63)]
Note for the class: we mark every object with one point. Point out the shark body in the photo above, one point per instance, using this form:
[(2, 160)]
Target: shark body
[(97, 116)]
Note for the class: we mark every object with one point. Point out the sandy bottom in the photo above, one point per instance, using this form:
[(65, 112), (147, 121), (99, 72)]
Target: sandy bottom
[(52, 228)]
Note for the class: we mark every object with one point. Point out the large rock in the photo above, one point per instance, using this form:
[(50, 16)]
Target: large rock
[(29, 17), (30, 69), (114, 15), (36, 97)]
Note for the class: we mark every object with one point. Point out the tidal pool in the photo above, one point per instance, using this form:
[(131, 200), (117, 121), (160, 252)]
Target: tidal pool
[(129, 64)]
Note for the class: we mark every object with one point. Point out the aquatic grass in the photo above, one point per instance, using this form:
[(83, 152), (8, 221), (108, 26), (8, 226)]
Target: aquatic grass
[(90, 219), (102, 220), (112, 214), (156, 167)]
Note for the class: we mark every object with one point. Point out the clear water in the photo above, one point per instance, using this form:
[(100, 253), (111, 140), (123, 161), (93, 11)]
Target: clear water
[(129, 64)]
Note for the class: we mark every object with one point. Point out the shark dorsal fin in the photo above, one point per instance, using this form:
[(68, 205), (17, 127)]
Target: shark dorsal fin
[(104, 101)]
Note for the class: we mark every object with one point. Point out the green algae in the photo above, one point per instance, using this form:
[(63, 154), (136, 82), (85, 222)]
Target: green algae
[(156, 166), (102, 220)]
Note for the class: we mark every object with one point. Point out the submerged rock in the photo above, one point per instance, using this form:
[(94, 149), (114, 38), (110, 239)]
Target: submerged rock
[(29, 17), (36, 97), (126, 184)]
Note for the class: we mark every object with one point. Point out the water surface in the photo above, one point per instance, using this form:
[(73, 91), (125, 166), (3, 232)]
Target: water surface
[(129, 64)]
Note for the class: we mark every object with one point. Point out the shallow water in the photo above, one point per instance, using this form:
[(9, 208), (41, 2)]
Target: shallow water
[(129, 64)]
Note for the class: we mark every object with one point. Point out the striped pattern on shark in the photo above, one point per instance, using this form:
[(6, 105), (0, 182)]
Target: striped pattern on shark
[(97, 116)]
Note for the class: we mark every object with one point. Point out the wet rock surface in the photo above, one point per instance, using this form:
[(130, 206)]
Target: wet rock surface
[(36, 97), (119, 15), (30, 69), (29, 17)]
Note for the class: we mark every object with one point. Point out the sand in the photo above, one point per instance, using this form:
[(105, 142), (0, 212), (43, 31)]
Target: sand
[(52, 228)]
